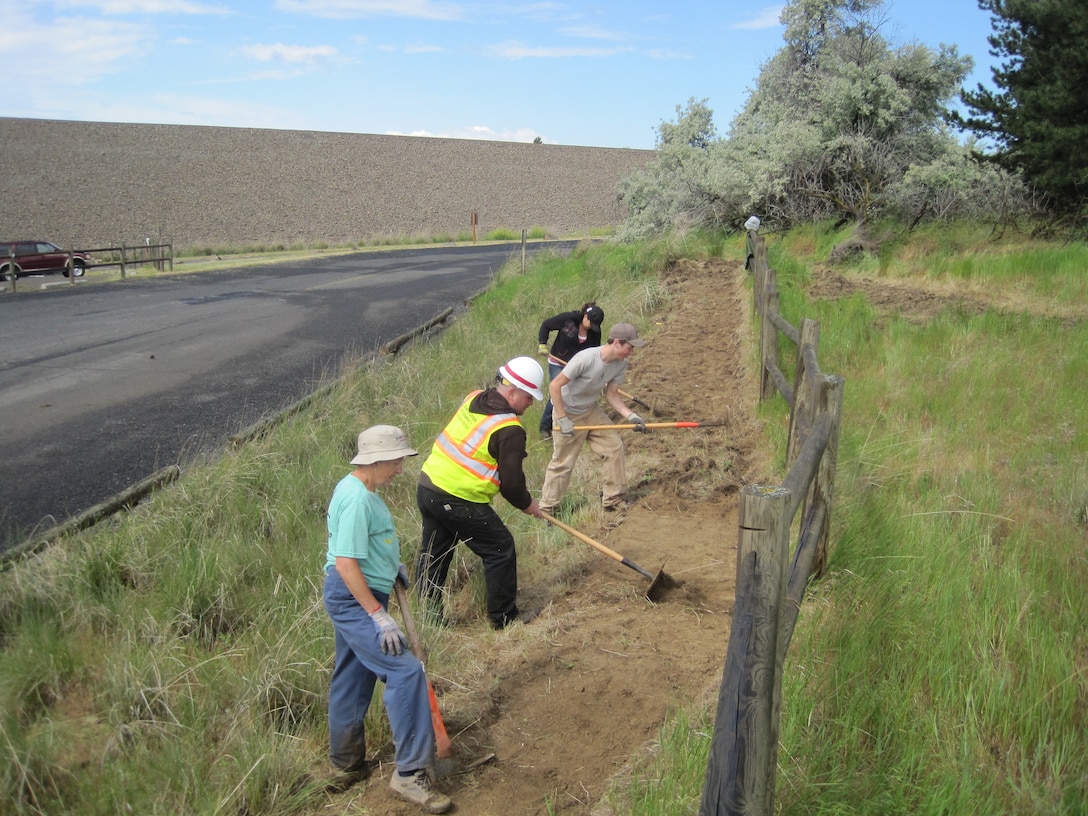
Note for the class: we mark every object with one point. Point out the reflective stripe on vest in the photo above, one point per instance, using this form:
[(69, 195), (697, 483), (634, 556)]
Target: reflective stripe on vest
[(460, 462)]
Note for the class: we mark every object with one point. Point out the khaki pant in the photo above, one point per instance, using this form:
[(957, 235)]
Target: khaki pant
[(606, 444)]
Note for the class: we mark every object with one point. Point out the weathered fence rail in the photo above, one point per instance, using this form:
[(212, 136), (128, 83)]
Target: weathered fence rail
[(743, 753), (161, 256)]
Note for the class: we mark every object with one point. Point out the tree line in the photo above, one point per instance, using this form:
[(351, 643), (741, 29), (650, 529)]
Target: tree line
[(845, 123)]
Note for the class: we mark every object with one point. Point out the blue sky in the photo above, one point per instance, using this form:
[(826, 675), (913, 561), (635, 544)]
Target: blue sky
[(602, 73)]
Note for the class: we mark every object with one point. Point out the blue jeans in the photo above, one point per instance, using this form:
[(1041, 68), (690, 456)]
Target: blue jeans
[(546, 417), (359, 663)]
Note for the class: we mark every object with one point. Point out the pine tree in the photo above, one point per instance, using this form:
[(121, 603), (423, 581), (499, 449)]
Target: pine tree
[(1037, 120)]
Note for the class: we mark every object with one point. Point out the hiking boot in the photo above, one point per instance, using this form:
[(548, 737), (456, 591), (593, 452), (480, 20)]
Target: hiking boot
[(545, 435), (617, 507), (339, 779), (417, 788)]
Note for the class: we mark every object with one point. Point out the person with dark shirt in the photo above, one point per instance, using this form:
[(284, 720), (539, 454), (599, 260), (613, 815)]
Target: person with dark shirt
[(574, 331), (479, 453)]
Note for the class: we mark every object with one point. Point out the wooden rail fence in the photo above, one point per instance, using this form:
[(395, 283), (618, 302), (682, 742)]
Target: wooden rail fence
[(741, 767), (161, 256)]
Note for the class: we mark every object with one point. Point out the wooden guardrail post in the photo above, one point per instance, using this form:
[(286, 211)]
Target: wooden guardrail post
[(11, 269), (122, 260), (743, 751)]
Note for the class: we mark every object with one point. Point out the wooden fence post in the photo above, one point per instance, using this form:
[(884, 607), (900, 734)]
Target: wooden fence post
[(768, 342), (11, 269), (743, 751), (122, 260), (823, 486), (805, 402)]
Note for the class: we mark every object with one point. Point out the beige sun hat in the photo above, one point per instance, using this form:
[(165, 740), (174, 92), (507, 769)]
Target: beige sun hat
[(382, 443)]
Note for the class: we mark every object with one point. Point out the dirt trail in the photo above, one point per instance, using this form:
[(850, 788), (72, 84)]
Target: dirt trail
[(581, 692)]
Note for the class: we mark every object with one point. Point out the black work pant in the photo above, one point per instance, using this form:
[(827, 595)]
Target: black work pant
[(447, 520)]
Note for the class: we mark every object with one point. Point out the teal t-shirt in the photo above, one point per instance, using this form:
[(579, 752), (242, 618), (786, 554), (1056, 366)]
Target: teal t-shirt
[(361, 527)]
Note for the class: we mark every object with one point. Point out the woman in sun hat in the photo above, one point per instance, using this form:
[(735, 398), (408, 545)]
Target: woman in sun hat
[(362, 563)]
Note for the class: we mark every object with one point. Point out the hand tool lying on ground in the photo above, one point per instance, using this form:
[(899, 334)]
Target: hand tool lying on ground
[(658, 583), (446, 761), (628, 425)]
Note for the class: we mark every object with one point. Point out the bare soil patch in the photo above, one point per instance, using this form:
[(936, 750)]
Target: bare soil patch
[(577, 696)]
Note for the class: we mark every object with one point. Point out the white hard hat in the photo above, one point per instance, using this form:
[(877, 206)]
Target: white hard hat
[(524, 373)]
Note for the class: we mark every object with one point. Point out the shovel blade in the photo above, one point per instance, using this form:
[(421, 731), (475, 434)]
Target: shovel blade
[(450, 766), (662, 582)]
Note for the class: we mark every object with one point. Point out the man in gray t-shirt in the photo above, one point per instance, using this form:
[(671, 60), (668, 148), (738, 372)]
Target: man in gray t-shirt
[(575, 393)]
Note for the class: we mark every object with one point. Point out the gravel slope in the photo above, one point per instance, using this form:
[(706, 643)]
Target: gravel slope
[(92, 184)]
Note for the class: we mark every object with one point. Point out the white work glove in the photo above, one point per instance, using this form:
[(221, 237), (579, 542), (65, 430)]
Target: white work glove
[(392, 638), (566, 427), (638, 422), (542, 349), (402, 576)]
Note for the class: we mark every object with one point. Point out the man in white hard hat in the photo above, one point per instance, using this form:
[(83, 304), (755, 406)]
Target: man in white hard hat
[(479, 453), (575, 394)]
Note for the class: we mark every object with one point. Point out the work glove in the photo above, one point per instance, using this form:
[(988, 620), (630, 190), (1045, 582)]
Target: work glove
[(638, 422), (392, 638), (566, 427), (543, 349), (402, 576)]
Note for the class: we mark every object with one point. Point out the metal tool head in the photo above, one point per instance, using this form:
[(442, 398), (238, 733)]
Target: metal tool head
[(661, 583)]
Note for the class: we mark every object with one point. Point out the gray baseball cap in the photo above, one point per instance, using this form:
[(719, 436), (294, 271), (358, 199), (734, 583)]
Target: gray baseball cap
[(627, 333)]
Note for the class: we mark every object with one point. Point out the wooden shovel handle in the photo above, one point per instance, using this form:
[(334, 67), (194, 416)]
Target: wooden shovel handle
[(442, 741), (632, 397), (627, 562), (629, 425)]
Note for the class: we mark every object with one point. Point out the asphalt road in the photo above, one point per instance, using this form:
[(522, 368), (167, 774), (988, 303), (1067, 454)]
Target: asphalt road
[(102, 385)]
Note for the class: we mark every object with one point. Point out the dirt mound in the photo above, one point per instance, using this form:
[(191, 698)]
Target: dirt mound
[(580, 693)]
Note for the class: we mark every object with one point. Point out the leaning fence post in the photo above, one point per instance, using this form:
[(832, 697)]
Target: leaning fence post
[(122, 260), (743, 751), (823, 486), (805, 402)]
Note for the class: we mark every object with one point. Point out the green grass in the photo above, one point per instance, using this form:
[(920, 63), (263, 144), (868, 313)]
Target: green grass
[(941, 666), (185, 641)]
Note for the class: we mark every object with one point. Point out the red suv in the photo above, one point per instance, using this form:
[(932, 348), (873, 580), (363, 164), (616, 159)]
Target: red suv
[(32, 257)]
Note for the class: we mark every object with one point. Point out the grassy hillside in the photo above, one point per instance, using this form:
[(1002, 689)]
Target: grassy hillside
[(941, 666)]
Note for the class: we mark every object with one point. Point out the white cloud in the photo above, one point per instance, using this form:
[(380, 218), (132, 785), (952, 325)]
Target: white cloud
[(144, 6), (766, 18), (347, 9), (195, 110), (516, 50), (592, 32), (80, 50), (421, 49), (294, 54), (482, 132)]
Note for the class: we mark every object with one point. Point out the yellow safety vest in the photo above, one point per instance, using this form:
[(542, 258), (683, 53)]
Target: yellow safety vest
[(460, 463)]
